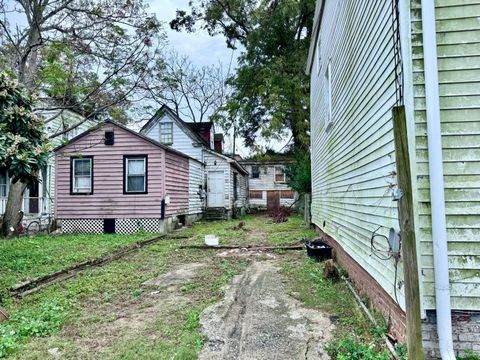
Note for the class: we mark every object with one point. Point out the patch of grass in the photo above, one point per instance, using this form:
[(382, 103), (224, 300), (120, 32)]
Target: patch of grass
[(351, 348), (355, 338), (258, 230), (28, 257), (469, 355), (66, 315)]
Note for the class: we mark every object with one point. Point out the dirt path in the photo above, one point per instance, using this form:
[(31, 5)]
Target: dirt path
[(258, 320)]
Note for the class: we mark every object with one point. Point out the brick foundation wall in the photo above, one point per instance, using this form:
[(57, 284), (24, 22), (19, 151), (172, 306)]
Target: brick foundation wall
[(366, 285), (465, 328)]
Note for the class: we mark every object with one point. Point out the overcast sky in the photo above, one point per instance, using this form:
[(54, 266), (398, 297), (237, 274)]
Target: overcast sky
[(202, 49)]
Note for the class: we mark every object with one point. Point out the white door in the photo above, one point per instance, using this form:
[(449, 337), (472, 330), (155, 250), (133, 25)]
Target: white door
[(216, 189)]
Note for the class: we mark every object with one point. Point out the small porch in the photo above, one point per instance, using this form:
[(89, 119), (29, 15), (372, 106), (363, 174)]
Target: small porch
[(31, 206), (36, 202)]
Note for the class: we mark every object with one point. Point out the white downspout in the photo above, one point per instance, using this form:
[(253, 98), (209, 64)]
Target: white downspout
[(437, 195)]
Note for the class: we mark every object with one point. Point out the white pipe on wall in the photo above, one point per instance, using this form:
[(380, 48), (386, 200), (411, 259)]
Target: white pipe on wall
[(437, 194)]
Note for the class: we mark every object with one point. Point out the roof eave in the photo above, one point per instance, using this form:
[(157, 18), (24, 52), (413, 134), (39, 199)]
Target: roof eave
[(316, 30)]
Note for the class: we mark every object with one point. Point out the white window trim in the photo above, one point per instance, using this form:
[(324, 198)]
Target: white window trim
[(7, 184), (275, 175), (76, 190), (163, 124), (136, 158)]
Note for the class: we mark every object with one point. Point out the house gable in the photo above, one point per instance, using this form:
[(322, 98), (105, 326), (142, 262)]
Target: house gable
[(183, 139)]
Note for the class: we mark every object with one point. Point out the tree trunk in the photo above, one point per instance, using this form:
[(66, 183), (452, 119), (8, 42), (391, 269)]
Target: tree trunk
[(13, 214)]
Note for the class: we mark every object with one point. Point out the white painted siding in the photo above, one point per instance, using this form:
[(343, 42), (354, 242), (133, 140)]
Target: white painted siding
[(265, 182), (181, 140), (196, 203), (217, 163), (458, 46), (353, 162)]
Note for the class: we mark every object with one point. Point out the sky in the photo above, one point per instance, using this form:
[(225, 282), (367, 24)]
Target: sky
[(202, 49)]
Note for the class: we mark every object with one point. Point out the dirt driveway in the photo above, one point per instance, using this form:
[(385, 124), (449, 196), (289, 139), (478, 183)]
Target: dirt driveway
[(259, 320)]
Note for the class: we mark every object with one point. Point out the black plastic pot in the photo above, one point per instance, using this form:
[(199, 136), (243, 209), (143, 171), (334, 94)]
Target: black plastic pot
[(318, 250)]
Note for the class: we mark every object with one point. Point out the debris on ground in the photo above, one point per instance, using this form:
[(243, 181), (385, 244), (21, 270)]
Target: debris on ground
[(330, 271), (246, 253), (179, 276), (280, 214), (3, 315), (258, 320)]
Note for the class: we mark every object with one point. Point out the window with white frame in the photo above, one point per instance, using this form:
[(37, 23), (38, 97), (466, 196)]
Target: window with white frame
[(280, 174), (135, 174), (82, 175), (3, 183), (328, 95), (166, 133)]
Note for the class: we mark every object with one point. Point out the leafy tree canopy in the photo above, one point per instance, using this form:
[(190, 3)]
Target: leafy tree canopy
[(270, 90), (24, 148)]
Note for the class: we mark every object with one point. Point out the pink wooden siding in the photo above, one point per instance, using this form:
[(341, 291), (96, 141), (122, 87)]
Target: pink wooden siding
[(108, 199), (176, 184)]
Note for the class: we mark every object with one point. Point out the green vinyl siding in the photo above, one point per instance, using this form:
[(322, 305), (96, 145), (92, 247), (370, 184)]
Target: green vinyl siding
[(353, 161), (458, 46)]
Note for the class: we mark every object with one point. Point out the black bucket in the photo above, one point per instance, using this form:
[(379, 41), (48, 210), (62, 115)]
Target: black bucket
[(318, 250)]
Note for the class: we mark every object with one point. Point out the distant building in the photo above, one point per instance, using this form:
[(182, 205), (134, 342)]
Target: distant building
[(267, 184)]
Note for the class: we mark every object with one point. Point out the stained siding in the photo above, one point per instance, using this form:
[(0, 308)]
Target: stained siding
[(266, 182), (196, 179), (181, 140), (458, 46), (218, 163), (242, 188), (176, 183), (353, 162), (108, 199)]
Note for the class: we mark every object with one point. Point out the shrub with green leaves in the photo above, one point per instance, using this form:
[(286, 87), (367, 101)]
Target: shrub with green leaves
[(24, 148)]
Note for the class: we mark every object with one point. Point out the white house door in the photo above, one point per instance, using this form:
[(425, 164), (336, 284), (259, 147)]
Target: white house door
[(216, 189)]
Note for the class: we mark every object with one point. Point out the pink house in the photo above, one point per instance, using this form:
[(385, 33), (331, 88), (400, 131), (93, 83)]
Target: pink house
[(111, 179)]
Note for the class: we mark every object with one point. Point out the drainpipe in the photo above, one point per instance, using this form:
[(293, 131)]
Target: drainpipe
[(437, 195)]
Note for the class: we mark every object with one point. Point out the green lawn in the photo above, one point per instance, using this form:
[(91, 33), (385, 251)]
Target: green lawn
[(106, 312), (28, 257)]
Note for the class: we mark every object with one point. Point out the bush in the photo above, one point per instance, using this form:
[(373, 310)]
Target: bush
[(280, 214)]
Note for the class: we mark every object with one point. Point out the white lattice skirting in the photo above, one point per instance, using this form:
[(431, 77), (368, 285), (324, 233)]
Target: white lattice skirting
[(90, 226), (130, 226), (122, 226)]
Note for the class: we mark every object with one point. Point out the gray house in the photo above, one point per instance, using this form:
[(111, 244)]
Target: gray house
[(267, 183), (365, 59)]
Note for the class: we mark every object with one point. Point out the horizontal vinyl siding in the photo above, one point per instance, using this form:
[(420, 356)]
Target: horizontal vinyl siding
[(176, 183), (353, 163), (108, 200), (265, 182), (458, 46), (196, 179), (181, 140)]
